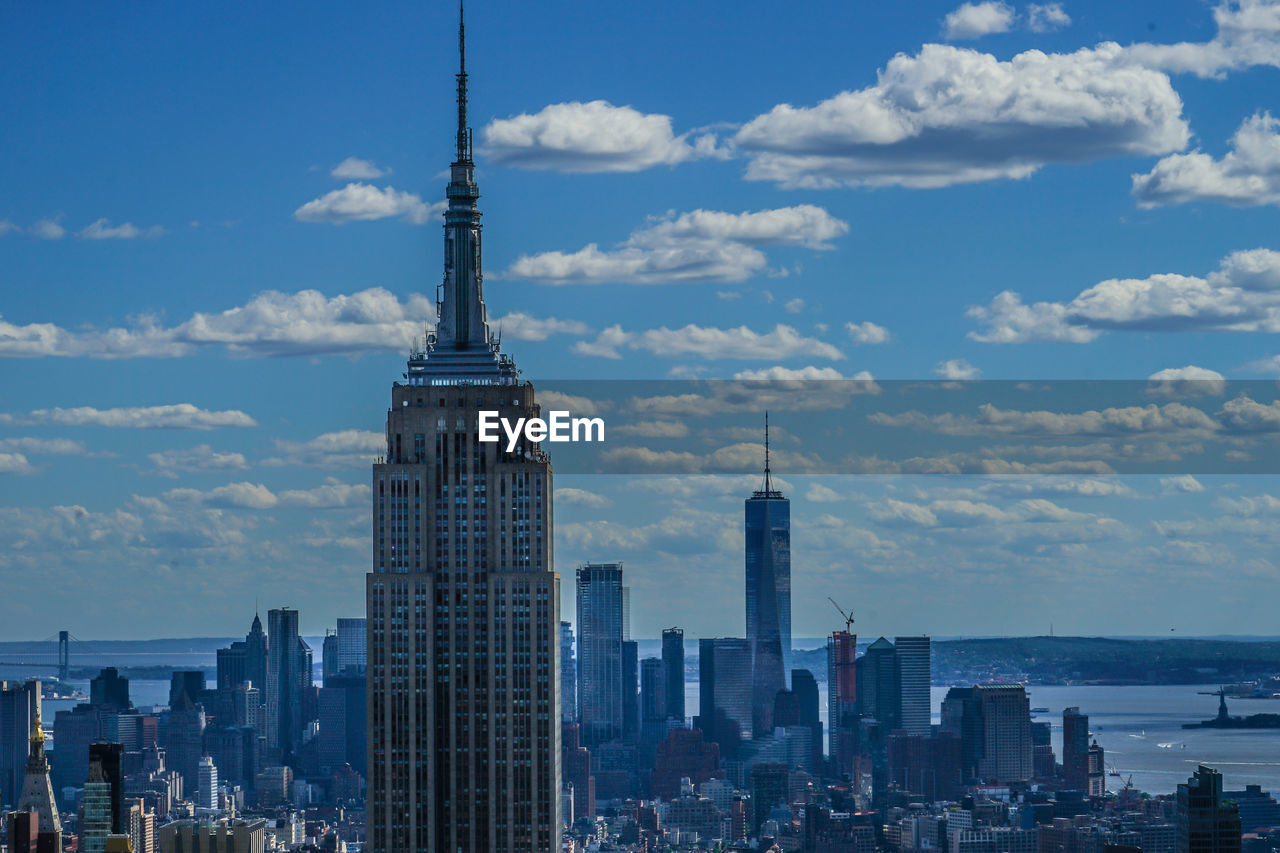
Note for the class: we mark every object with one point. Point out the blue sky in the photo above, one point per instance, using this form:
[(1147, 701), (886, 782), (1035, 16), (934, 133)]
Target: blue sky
[(218, 236)]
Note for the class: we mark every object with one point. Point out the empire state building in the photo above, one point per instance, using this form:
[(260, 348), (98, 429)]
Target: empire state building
[(463, 603)]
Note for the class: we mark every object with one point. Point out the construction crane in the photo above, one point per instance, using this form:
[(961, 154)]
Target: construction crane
[(848, 617), (1126, 793)]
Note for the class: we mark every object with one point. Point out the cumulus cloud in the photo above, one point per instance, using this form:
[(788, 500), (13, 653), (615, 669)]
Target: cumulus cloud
[(974, 20), (355, 169), (270, 324), (1183, 485), (710, 343), (1163, 420), (44, 446), (1047, 17), (867, 333), (523, 327), (15, 463), (1189, 381), (7, 226), (247, 495), (700, 245), (202, 457), (950, 116), (957, 369), (592, 137), (177, 416), (343, 448), (581, 497), (102, 229), (1248, 35), (1247, 176), (362, 202), (780, 373), (48, 229), (1242, 295)]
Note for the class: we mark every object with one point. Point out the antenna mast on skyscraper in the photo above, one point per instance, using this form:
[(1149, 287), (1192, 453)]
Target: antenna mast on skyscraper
[(768, 484), (464, 135)]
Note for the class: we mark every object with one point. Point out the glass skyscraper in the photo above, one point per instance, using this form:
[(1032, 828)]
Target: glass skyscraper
[(768, 588)]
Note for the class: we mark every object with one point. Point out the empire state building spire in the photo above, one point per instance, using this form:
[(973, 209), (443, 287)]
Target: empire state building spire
[(461, 348)]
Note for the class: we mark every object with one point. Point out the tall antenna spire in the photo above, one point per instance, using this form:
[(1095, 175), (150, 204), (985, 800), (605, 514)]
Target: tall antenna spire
[(768, 483), (464, 134)]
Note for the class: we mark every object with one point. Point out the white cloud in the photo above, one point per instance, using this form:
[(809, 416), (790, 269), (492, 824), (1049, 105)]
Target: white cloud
[(231, 496), (818, 493), (957, 369), (15, 463), (1189, 381), (591, 137), (700, 245), (794, 306), (581, 497), (362, 202), (45, 446), (867, 333), (1047, 17), (331, 495), (710, 343), (1242, 295), (1183, 485), (48, 229), (1248, 35), (202, 457), (522, 327), (102, 229), (950, 116), (974, 20), (309, 323), (1248, 175), (177, 416), (349, 447), (355, 169), (272, 323), (7, 226), (784, 374)]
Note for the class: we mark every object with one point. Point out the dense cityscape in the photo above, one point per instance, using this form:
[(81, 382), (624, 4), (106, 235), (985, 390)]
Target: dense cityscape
[(464, 712)]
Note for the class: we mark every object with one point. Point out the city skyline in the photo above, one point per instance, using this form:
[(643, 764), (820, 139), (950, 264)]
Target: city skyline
[(196, 356)]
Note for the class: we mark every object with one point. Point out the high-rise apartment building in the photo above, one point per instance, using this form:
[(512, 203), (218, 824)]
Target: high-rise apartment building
[(601, 617), (109, 690), (1207, 822), (842, 701), (653, 704), (105, 760), (880, 685), (207, 784), (288, 678), (673, 667), (19, 710), (725, 692), (993, 723), (1082, 761), (568, 675), (913, 680), (463, 601), (353, 652), (768, 594)]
